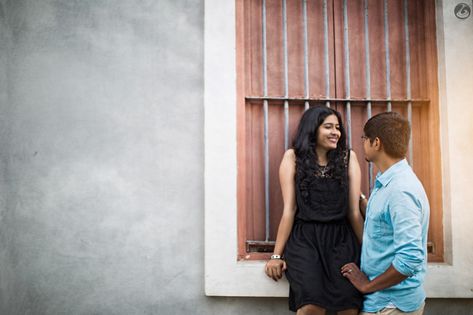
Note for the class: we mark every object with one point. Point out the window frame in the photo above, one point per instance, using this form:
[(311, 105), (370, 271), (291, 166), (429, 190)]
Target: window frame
[(249, 84)]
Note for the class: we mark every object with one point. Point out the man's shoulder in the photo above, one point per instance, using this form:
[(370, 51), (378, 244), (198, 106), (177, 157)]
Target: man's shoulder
[(407, 188), (406, 180)]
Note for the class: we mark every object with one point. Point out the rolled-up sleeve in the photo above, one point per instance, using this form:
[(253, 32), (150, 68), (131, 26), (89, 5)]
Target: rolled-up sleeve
[(406, 216)]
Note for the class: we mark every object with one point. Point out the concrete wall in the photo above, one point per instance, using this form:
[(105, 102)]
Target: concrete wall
[(6, 272), (103, 158), (101, 161)]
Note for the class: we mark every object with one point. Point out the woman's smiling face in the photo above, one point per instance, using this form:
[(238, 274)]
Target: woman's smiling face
[(329, 133)]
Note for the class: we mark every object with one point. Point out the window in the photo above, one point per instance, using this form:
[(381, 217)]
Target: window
[(359, 57)]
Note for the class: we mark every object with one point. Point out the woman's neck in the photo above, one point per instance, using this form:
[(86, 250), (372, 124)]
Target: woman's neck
[(322, 158)]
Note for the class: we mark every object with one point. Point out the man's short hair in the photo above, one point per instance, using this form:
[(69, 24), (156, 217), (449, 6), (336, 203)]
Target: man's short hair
[(392, 129)]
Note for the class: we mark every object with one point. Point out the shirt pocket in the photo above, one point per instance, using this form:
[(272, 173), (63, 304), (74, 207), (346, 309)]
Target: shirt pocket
[(378, 224)]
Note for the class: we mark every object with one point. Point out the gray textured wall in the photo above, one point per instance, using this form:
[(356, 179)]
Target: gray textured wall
[(101, 161)]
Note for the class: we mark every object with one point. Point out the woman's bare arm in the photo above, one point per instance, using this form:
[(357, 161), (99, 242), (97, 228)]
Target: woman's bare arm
[(354, 184), (287, 171)]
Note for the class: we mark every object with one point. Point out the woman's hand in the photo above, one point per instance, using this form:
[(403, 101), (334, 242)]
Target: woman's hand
[(274, 268)]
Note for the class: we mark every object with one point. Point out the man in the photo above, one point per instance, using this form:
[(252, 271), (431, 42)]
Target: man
[(394, 250)]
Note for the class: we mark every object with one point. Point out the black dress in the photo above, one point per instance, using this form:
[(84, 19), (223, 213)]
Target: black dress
[(320, 243)]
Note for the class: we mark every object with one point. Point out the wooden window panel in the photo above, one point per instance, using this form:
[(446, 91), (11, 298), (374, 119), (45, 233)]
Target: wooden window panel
[(425, 117)]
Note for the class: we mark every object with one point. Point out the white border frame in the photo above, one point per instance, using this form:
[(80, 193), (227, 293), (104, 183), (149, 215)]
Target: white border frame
[(224, 275)]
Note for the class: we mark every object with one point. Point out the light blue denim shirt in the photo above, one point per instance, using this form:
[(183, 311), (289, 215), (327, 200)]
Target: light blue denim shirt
[(395, 233)]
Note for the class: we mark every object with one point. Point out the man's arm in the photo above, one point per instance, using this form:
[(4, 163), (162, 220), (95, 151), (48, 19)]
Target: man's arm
[(406, 218), (360, 281), (406, 215)]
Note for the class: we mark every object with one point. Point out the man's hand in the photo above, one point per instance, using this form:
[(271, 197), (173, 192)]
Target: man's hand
[(356, 277), (274, 268), (363, 205)]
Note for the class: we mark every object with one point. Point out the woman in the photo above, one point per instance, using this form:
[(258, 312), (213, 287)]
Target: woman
[(321, 227)]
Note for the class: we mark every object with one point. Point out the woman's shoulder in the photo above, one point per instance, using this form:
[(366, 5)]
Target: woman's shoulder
[(288, 163), (290, 154), (351, 155), (289, 157)]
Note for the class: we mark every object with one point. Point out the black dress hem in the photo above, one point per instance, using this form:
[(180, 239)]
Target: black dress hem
[(328, 308)]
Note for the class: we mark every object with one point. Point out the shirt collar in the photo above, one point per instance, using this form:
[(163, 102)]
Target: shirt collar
[(383, 179)]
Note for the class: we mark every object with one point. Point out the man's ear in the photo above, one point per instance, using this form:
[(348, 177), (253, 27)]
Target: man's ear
[(378, 146)]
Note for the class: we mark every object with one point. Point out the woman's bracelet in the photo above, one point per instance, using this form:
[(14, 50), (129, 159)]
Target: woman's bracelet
[(276, 257)]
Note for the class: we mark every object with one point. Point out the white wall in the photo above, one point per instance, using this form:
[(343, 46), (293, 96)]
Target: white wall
[(455, 44)]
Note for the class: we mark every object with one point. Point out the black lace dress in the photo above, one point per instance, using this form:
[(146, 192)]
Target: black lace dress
[(321, 242)]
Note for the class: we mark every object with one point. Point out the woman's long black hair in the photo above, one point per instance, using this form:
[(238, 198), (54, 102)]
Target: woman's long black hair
[(305, 143)]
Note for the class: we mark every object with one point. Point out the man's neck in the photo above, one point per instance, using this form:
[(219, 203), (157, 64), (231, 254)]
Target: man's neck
[(385, 161)]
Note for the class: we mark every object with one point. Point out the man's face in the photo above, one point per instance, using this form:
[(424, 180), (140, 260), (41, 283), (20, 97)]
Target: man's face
[(368, 148)]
